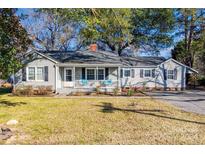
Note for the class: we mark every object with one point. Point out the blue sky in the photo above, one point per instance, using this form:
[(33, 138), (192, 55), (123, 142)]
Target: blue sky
[(164, 52)]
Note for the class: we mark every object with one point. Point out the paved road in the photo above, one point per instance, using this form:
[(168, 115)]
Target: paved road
[(192, 101)]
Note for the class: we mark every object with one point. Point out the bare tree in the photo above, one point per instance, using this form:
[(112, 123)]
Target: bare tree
[(49, 32)]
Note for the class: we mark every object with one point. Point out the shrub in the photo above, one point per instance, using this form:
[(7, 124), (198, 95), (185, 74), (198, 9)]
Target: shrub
[(6, 85), (97, 89), (130, 92), (116, 91), (192, 78), (5, 90), (144, 86), (49, 89), (29, 90), (124, 89), (23, 91), (44, 90), (201, 81)]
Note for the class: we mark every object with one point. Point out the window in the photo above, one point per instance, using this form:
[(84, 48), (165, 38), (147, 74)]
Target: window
[(90, 74), (126, 73), (101, 74), (68, 75), (31, 73), (147, 73), (170, 74), (40, 73)]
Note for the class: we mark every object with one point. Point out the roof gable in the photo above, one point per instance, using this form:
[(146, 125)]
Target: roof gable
[(179, 63), (42, 55)]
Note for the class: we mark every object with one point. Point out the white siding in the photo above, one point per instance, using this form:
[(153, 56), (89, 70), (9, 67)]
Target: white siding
[(137, 81), (158, 81), (38, 63), (181, 76)]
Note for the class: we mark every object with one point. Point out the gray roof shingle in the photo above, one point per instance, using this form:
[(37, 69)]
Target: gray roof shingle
[(142, 61), (101, 57)]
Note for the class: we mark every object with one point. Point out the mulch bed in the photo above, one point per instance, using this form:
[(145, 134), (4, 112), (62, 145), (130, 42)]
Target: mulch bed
[(105, 94)]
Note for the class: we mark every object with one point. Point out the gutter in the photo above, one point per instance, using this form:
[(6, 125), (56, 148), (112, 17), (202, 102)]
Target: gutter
[(84, 65)]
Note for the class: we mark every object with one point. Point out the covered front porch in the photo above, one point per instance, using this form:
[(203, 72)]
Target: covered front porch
[(86, 78)]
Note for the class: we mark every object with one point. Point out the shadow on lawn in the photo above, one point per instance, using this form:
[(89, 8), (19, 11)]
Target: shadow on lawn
[(6, 103), (108, 108)]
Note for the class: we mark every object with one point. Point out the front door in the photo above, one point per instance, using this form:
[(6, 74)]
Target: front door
[(68, 77)]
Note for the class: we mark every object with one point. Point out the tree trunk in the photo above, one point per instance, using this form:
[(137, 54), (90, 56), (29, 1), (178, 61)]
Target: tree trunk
[(192, 53), (185, 30)]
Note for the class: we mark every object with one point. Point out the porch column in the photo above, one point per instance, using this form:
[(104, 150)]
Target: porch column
[(74, 76), (184, 84), (96, 78), (118, 77), (56, 78)]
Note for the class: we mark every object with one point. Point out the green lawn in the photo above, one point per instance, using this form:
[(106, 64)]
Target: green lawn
[(47, 120)]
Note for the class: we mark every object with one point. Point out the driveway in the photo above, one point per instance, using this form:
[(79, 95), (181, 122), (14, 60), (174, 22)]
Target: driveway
[(191, 100)]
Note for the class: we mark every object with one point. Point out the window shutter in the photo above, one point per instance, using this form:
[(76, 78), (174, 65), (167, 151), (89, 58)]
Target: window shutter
[(83, 73), (141, 73), (121, 73), (165, 74), (24, 74), (46, 73), (96, 74), (106, 73), (175, 74), (153, 73), (133, 73)]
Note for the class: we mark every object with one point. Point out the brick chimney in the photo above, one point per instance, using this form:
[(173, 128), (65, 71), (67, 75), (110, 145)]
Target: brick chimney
[(93, 47)]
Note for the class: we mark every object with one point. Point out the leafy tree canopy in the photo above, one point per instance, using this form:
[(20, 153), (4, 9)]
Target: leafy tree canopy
[(190, 27), (118, 29), (14, 42)]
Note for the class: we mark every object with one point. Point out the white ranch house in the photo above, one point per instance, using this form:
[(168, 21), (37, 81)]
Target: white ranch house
[(69, 72)]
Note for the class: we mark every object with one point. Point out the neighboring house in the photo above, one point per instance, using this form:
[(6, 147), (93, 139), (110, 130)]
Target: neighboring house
[(69, 72)]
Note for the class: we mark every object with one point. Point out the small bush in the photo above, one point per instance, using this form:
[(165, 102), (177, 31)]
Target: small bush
[(6, 85), (23, 91), (29, 90), (144, 86), (124, 90), (192, 79), (97, 89), (201, 81), (44, 90), (116, 91), (5, 90), (130, 92)]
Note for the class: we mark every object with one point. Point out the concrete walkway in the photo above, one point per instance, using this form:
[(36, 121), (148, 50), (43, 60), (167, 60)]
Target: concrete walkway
[(191, 101)]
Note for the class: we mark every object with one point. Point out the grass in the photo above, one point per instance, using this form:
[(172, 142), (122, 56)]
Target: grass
[(47, 120)]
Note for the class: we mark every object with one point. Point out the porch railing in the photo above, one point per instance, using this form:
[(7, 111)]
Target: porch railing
[(95, 83)]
